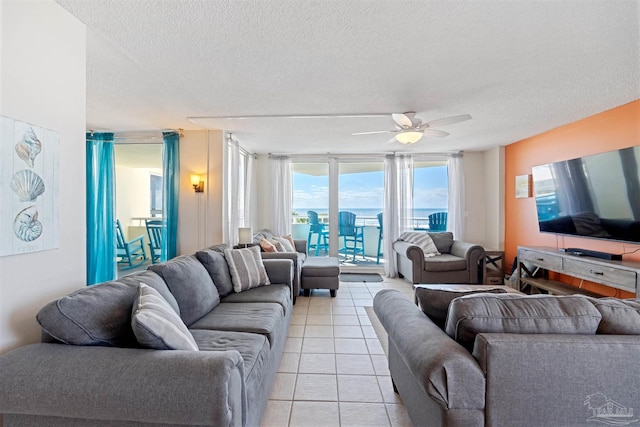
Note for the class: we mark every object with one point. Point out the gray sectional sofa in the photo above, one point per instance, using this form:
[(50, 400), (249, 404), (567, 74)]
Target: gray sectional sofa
[(514, 360), (90, 370)]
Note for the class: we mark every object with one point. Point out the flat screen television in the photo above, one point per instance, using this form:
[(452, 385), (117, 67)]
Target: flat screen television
[(596, 196)]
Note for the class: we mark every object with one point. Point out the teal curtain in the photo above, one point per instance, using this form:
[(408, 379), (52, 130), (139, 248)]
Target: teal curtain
[(101, 248), (171, 177)]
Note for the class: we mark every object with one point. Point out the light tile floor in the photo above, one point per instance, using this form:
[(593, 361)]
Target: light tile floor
[(333, 370)]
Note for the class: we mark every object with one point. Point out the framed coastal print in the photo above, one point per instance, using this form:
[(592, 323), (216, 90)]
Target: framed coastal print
[(28, 187)]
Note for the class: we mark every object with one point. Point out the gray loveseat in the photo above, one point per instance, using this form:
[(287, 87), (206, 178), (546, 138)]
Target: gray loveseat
[(458, 262), (298, 258), (107, 379), (514, 360)]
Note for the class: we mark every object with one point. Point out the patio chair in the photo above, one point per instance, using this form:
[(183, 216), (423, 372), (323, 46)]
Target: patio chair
[(131, 253), (154, 231), (438, 221), (352, 234), (316, 227)]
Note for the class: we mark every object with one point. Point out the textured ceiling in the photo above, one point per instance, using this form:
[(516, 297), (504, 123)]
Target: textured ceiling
[(518, 67)]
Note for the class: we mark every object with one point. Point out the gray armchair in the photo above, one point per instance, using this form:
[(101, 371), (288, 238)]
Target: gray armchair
[(458, 262)]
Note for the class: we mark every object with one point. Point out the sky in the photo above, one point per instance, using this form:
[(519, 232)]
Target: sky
[(366, 190)]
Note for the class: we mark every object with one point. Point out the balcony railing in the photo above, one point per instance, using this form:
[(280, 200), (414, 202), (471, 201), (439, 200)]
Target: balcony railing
[(419, 223)]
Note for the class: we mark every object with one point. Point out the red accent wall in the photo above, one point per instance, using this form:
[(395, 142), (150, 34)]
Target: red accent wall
[(611, 130)]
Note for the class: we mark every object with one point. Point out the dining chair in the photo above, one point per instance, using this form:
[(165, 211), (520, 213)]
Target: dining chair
[(316, 227), (130, 253), (352, 234), (154, 231)]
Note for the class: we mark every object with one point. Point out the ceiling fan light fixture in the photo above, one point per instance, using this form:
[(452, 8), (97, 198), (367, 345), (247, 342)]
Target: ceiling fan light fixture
[(409, 137)]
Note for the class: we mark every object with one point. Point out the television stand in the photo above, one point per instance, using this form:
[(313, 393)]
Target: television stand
[(623, 275), (595, 254)]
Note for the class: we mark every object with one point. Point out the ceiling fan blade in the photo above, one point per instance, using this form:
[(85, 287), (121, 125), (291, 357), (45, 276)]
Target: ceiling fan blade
[(447, 121), (403, 120), (392, 140), (435, 132), (372, 133)]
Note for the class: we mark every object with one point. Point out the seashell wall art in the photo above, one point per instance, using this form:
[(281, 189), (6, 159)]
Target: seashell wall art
[(28, 187)]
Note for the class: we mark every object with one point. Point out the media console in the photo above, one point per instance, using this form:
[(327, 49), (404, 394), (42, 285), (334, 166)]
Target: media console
[(623, 275)]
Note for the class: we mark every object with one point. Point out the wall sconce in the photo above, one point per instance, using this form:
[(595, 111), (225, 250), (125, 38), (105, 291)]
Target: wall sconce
[(245, 236), (198, 184)]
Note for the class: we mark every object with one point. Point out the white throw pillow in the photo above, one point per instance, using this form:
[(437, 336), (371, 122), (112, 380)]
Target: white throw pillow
[(286, 243), (157, 325), (246, 268)]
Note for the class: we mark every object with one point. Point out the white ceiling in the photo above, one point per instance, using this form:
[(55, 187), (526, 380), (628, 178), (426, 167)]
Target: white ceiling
[(519, 67)]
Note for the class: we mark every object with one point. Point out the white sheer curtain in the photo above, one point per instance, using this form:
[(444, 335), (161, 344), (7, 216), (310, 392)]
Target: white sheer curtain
[(455, 217), (250, 219), (282, 194), (398, 205), (230, 231)]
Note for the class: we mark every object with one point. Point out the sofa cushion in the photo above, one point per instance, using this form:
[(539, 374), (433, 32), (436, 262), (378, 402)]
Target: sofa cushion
[(422, 240), (246, 268), (280, 294), (157, 325), (445, 262), (519, 314), (150, 278), (216, 264), (94, 315), (255, 317), (619, 317), (443, 241), (190, 284), (254, 348), (435, 302)]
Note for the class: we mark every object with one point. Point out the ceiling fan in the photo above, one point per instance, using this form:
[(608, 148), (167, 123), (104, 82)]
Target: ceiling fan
[(410, 129)]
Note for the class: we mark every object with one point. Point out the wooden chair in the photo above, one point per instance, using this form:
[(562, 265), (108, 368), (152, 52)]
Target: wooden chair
[(129, 254), (352, 234), (438, 221), (316, 227), (154, 231)]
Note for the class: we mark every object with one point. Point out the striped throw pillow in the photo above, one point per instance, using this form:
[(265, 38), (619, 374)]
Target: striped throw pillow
[(422, 240), (246, 268), (157, 325)]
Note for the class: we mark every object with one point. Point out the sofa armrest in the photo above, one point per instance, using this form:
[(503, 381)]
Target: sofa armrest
[(413, 253), (279, 271), (301, 245), (474, 254), (124, 384), (447, 372), (549, 378)]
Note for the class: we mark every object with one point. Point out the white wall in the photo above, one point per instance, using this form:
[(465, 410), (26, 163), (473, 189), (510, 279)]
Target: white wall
[(200, 214), (474, 204), (494, 198), (42, 71)]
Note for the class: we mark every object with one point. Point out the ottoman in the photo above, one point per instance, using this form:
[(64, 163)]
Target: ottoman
[(320, 273)]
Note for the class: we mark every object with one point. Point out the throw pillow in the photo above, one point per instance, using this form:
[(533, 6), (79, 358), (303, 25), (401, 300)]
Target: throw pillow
[(156, 325), (519, 314), (267, 246), (423, 241), (191, 285), (278, 245), (286, 243), (246, 268), (215, 263), (435, 302)]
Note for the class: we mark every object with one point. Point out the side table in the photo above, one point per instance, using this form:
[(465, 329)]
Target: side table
[(493, 270)]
